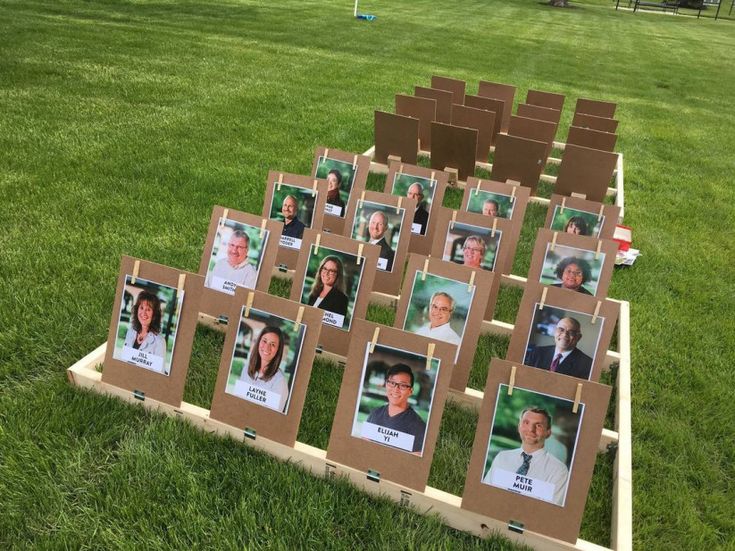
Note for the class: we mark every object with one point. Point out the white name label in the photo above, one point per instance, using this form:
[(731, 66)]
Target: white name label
[(290, 242), (390, 437), (522, 484), (224, 285), (142, 359), (252, 393), (334, 210), (330, 318), (415, 228), (383, 264)]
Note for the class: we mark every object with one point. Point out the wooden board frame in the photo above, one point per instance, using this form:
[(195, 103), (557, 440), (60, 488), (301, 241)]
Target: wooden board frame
[(423, 109), (503, 92), (597, 108), (396, 135), (533, 129), (602, 124), (545, 99), (454, 147), (594, 139), (455, 86), (443, 100), (497, 106), (517, 194), (610, 213), (481, 120), (519, 159), (585, 171)]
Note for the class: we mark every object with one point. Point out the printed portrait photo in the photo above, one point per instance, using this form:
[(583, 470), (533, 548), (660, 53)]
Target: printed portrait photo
[(491, 203), (380, 225), (149, 319), (438, 308), (265, 359), (340, 176), (532, 444), (572, 269), (294, 206), (577, 222), (421, 189), (332, 282), (563, 341), (236, 256), (472, 246), (396, 395)]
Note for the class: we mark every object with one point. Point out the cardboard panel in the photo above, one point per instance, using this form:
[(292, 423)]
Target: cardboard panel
[(423, 109), (555, 251), (479, 119), (535, 341), (497, 106), (401, 181), (582, 217), (354, 169), (545, 99), (351, 266), (504, 92), (254, 264), (157, 368), (519, 159), (594, 139), (425, 276), (531, 388), (538, 112), (533, 129), (309, 196), (350, 443), (453, 85), (387, 218), (595, 123), (253, 402), (605, 109), (585, 171), (396, 135), (453, 147), (443, 101)]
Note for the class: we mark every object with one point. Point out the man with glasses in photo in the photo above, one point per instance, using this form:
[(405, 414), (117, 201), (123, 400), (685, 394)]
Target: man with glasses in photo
[(235, 269), (441, 308), (563, 356)]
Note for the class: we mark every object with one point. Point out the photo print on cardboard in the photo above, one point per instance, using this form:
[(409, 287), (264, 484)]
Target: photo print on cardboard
[(396, 395), (572, 268), (472, 246), (148, 324), (581, 217), (379, 224), (294, 206), (420, 188), (490, 203), (340, 176)]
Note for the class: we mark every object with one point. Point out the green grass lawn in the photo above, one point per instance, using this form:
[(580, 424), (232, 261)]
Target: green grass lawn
[(123, 123)]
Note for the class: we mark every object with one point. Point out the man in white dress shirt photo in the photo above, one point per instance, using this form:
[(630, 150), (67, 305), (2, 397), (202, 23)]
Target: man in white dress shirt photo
[(441, 308)]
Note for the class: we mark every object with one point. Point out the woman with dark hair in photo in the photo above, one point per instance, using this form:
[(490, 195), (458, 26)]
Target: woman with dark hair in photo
[(577, 225), (334, 181), (144, 331), (573, 273), (263, 370), (328, 290)]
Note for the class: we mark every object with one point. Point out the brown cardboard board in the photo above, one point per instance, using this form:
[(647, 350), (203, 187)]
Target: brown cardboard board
[(497, 106), (553, 250), (585, 216), (400, 180), (396, 135), (261, 255), (397, 213), (471, 294), (392, 346), (479, 119), (453, 147), (533, 129), (354, 169), (594, 139), (542, 308), (423, 109), (504, 92), (443, 101), (545, 99), (132, 369), (310, 195), (595, 123), (605, 109), (533, 387), (453, 85), (539, 112), (510, 199), (340, 309), (585, 171), (519, 159), (243, 402)]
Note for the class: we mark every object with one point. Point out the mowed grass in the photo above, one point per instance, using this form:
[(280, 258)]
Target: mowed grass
[(123, 123)]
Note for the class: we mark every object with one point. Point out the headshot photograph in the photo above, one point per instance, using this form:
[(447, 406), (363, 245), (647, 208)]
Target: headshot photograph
[(577, 222), (395, 401), (472, 246), (236, 257), (265, 359), (572, 269), (149, 319), (421, 189), (294, 206), (532, 444), (340, 176), (491, 203), (438, 308), (563, 341), (332, 282), (380, 225)]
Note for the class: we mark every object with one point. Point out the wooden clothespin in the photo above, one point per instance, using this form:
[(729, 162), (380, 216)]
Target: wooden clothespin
[(599, 214), (394, 158), (299, 317), (182, 281), (433, 176), (249, 303), (495, 227), (512, 381), (430, 354), (359, 253), (313, 187), (597, 251), (543, 298), (477, 187), (374, 341), (354, 162), (426, 269), (362, 199), (454, 219), (400, 169), (223, 218), (577, 398), (563, 205), (280, 181), (136, 270), (398, 206), (553, 241), (471, 282), (579, 195), (513, 193), (597, 312), (262, 227), (326, 152), (317, 243)]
